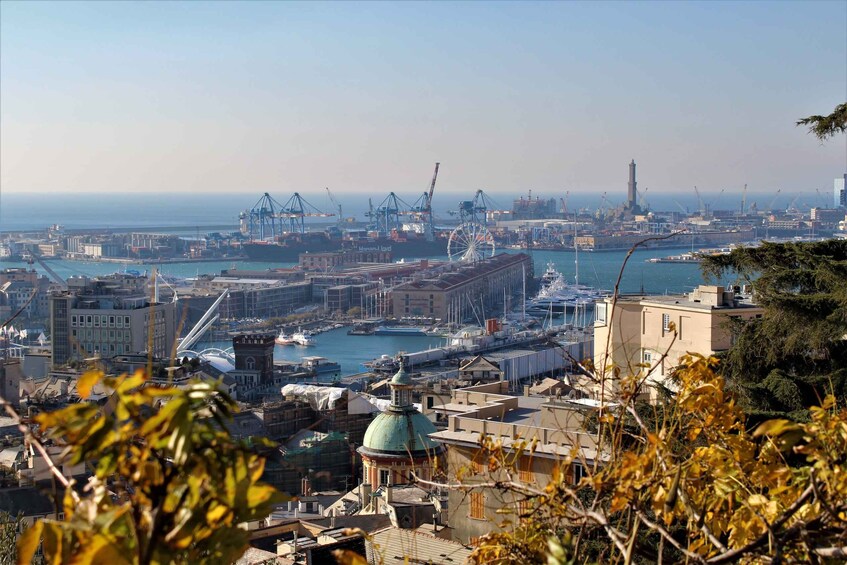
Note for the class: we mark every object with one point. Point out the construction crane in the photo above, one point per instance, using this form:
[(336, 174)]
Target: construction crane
[(336, 203), (701, 208), (422, 207), (564, 202), (770, 206), (710, 206), (680, 206), (791, 207)]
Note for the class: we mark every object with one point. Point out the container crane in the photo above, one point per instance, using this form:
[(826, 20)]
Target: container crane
[(564, 202), (701, 208), (336, 203), (295, 211), (422, 207), (770, 206)]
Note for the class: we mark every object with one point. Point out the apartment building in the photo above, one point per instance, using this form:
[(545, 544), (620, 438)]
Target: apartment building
[(555, 423), (109, 316), (643, 329)]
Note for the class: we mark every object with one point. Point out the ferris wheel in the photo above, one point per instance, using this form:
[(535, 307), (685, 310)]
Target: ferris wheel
[(471, 241)]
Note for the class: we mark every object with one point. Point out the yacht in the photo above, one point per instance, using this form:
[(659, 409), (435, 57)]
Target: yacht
[(302, 338), (557, 295), (283, 339)]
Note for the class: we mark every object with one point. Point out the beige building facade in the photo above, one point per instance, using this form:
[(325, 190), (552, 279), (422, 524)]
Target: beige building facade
[(656, 331)]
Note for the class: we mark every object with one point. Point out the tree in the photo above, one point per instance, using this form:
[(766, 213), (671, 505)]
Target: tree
[(695, 486), (796, 353), (825, 127), (170, 485)]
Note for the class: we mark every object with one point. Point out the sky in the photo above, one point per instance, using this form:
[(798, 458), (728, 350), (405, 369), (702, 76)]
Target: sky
[(249, 97)]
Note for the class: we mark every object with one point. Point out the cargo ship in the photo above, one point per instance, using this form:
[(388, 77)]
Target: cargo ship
[(287, 249)]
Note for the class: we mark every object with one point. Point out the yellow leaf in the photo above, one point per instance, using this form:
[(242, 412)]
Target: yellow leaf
[(348, 557), (28, 543), (775, 428), (86, 382), (215, 515)]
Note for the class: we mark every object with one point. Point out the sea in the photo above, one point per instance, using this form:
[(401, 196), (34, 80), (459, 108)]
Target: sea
[(185, 212)]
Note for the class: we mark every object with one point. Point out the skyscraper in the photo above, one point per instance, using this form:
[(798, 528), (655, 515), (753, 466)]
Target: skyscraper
[(840, 193), (632, 194)]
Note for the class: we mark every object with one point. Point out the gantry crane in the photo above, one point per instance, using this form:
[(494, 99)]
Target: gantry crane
[(295, 211), (337, 205), (775, 196), (422, 207)]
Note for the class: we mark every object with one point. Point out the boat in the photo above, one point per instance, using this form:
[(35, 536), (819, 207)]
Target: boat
[(399, 330), (384, 363), (557, 295), (302, 338), (289, 247), (320, 365), (283, 339), (684, 258)]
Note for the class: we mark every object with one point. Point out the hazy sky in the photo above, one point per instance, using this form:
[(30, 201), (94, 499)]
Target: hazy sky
[(252, 97)]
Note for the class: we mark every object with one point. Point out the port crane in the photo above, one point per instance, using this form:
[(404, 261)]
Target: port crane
[(336, 203), (770, 206), (701, 208), (295, 211), (564, 202), (422, 207), (386, 217)]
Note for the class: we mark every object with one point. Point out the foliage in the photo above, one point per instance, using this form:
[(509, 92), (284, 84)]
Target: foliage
[(169, 486), (825, 127), (796, 353), (8, 534), (720, 494)]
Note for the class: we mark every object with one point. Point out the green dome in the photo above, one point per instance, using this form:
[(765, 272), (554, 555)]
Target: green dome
[(401, 377), (398, 433)]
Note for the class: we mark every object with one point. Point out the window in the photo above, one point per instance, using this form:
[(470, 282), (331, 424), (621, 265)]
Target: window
[(600, 312), (647, 357), (666, 323), (111, 321), (73, 321), (477, 509), (525, 507), (88, 320), (578, 472), (126, 321), (384, 475), (250, 363)]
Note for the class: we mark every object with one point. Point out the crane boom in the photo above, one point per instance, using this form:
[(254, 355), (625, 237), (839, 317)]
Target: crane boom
[(337, 204), (432, 188)]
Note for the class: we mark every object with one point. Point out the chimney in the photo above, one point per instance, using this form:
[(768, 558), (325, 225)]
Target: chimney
[(366, 491), (389, 494), (526, 390), (332, 518)]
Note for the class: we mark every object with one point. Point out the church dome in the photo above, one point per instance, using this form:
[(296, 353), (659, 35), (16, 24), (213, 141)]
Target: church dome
[(401, 430), (399, 433)]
